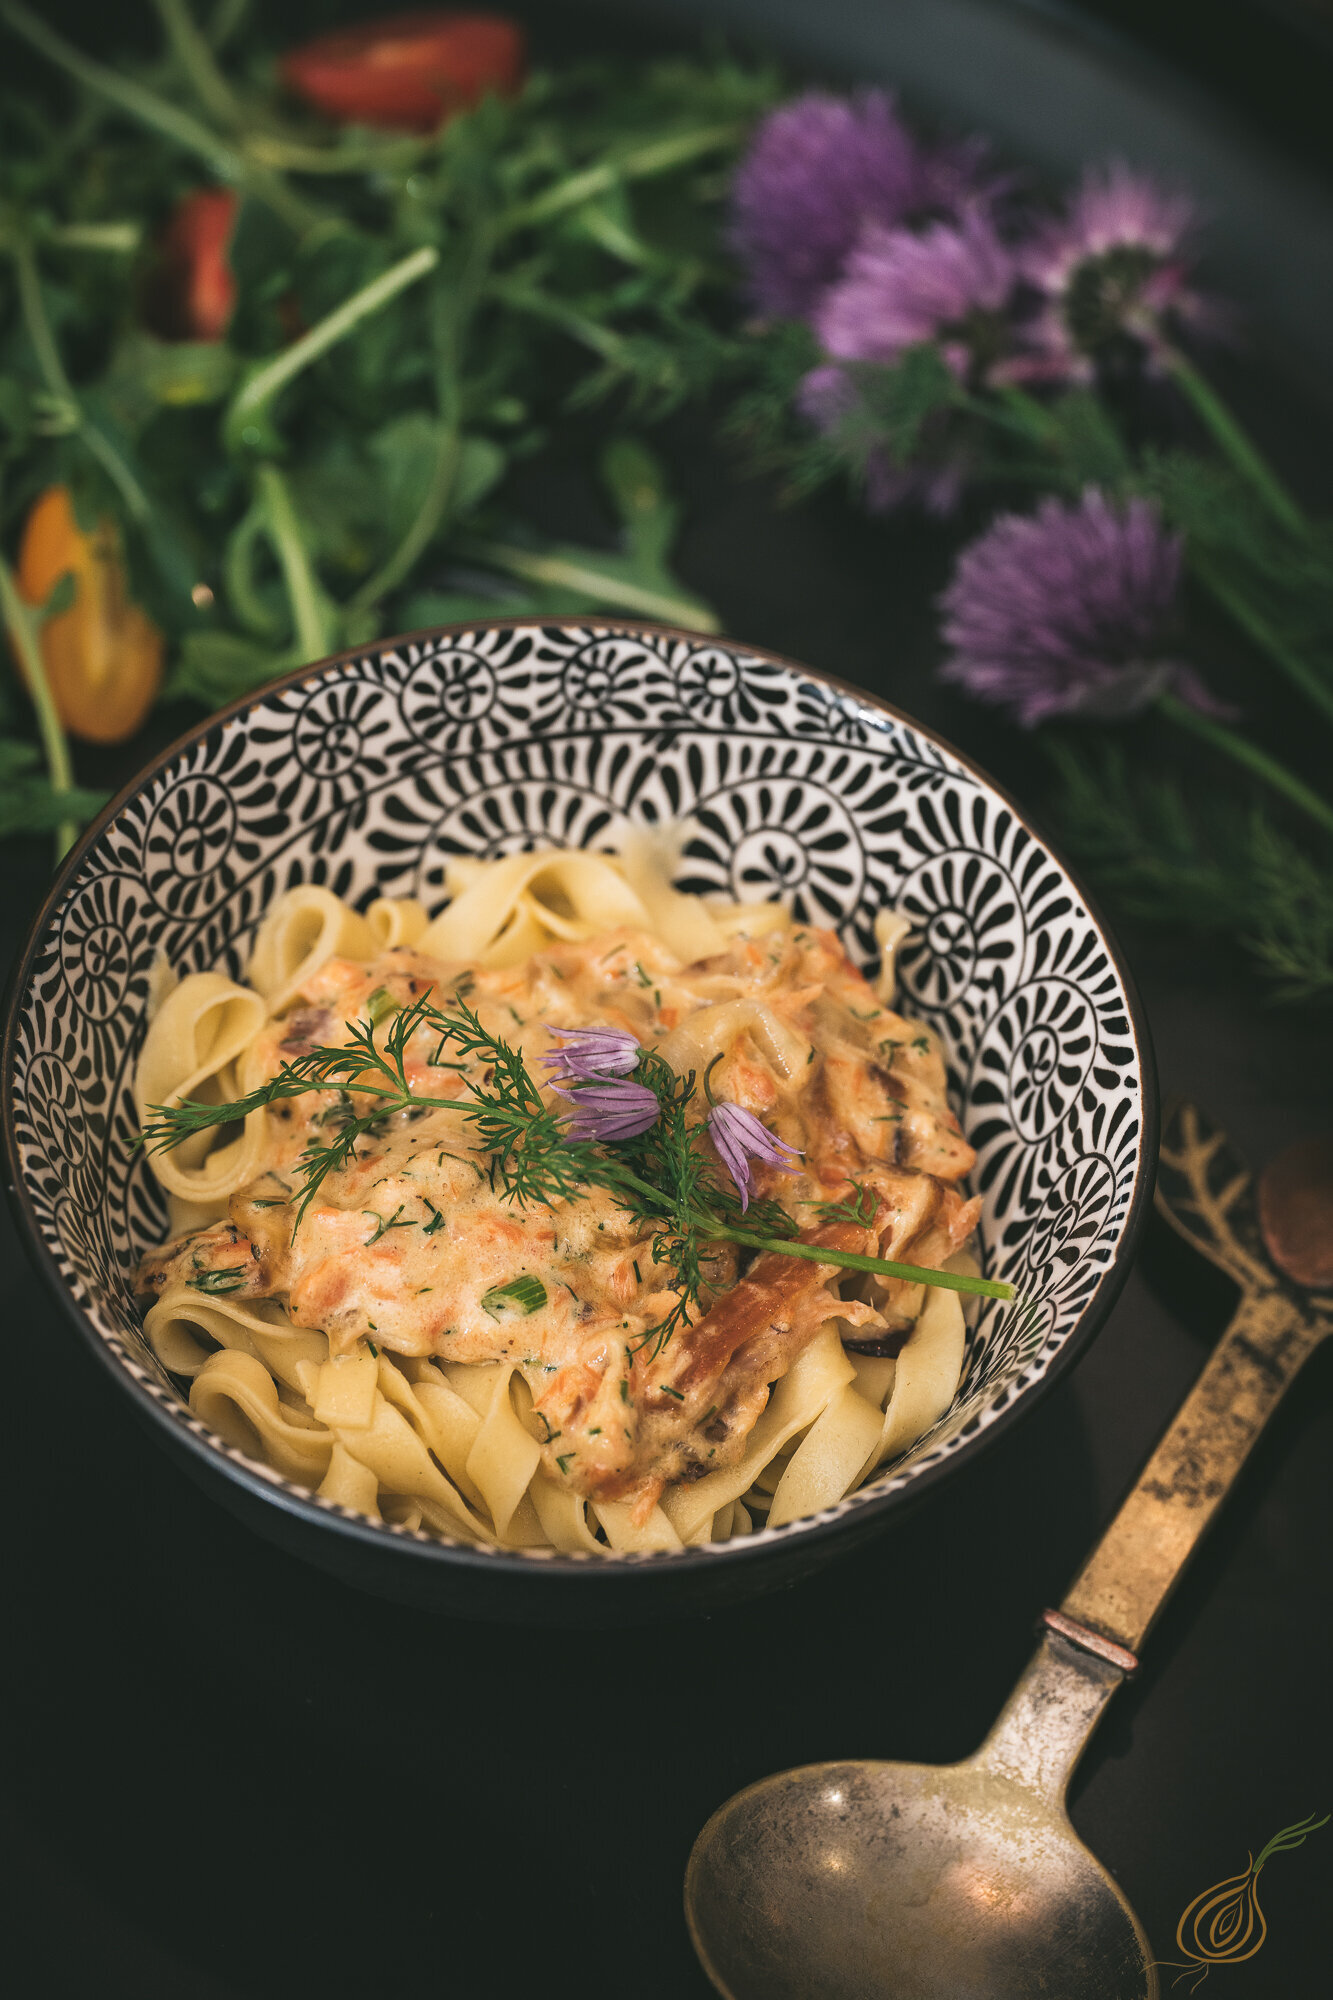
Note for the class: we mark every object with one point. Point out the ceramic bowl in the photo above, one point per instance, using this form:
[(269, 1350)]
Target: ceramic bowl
[(365, 774)]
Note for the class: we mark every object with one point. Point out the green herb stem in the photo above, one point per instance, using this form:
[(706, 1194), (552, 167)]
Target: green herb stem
[(160, 115), (120, 238), (52, 369), (583, 575), (1241, 750), (24, 626), (853, 1260), (640, 164), (452, 310), (192, 50), (238, 573), (1226, 432), (312, 614), (141, 103), (590, 333), (36, 324), (249, 407), (268, 150), (227, 18), (1252, 622)]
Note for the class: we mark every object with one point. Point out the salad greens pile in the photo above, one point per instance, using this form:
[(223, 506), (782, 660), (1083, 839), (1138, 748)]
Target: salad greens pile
[(409, 314)]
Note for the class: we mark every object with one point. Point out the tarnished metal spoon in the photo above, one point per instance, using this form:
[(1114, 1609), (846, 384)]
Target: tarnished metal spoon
[(878, 1881)]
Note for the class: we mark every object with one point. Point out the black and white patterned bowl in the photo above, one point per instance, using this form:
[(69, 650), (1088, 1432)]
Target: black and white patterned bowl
[(364, 774)]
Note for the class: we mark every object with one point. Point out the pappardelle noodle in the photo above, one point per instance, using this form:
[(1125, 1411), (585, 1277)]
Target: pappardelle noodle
[(559, 1219)]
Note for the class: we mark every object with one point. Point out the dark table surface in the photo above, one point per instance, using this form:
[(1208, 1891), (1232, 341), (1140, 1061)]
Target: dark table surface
[(226, 1777)]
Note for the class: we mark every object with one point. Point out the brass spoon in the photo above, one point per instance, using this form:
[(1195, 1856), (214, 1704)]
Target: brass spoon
[(967, 1881)]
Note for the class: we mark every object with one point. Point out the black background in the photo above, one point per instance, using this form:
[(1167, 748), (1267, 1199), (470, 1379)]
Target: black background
[(225, 1776)]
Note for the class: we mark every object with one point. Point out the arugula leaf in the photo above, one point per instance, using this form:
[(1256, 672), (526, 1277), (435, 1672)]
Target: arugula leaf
[(29, 803), (217, 667)]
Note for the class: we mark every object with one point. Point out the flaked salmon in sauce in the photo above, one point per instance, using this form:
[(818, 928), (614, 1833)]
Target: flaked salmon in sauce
[(410, 1247)]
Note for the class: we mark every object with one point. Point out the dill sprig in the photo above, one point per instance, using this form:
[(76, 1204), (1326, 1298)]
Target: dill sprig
[(860, 1206), (1174, 855), (662, 1178)]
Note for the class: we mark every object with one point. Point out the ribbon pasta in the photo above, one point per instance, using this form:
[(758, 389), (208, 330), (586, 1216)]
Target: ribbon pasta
[(451, 1447)]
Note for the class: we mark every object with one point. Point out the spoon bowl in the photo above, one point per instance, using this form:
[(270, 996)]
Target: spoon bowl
[(913, 1880), (927, 1882)]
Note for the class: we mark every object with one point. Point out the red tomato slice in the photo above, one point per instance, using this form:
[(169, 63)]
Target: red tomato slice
[(193, 294), (410, 71)]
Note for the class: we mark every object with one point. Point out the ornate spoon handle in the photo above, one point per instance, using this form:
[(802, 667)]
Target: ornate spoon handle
[(1090, 1644), (1132, 1571)]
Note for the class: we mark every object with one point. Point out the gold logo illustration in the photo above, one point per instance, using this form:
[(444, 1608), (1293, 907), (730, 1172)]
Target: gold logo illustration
[(1225, 1925)]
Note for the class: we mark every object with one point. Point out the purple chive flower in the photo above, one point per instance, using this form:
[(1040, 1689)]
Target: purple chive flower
[(593, 1052), (1066, 612), (951, 283), (608, 1111), (1116, 264), (821, 167), (740, 1137)]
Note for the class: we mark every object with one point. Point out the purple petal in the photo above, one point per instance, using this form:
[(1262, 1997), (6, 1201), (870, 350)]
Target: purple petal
[(1194, 691), (902, 287), (591, 1052), (609, 1111), (822, 167), (740, 1137), (819, 168), (1116, 262), (1065, 611)]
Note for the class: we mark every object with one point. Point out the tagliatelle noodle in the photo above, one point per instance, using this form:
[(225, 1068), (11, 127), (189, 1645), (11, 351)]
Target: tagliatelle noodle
[(498, 918), (926, 1377), (396, 921), (304, 929), (804, 1392), (200, 1030), (617, 1518), (829, 1458), (446, 1446), (705, 1034)]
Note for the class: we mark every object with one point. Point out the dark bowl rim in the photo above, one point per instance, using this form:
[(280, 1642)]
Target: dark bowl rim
[(497, 1563)]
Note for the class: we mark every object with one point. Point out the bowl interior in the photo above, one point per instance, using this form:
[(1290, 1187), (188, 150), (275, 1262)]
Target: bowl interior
[(368, 773)]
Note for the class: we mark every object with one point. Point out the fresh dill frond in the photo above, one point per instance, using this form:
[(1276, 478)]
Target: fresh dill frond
[(861, 1205), (1194, 863)]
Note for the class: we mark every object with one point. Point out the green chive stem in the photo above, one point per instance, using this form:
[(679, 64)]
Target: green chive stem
[(52, 369), (853, 1260), (1257, 628), (1244, 454), (1242, 751)]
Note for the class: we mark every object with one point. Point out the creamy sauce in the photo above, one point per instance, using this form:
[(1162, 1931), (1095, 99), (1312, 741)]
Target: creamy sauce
[(408, 1245)]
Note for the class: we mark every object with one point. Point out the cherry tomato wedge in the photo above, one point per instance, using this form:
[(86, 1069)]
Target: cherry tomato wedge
[(409, 71), (192, 294)]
